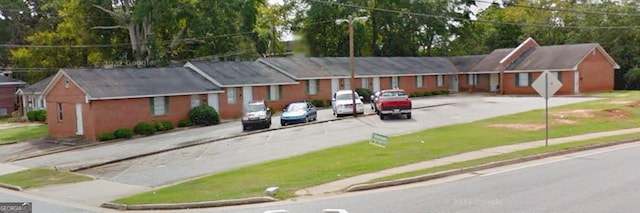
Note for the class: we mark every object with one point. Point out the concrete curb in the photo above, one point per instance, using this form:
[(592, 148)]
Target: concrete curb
[(422, 178), (174, 206), (9, 186)]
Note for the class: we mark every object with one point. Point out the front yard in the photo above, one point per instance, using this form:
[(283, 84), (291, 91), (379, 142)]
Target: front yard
[(9, 134)]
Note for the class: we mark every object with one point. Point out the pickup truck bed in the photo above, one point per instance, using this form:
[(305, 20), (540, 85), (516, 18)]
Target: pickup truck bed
[(393, 102)]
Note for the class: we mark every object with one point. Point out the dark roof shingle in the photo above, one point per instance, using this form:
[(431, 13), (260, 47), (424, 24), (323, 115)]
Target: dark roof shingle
[(557, 57), (39, 86), (330, 67), (132, 82), (242, 73)]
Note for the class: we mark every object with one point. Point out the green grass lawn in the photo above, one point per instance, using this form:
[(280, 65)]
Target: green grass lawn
[(4, 120), (23, 133), (615, 111), (509, 156), (39, 177)]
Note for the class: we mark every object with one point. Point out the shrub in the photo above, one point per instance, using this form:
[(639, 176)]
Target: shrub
[(144, 128), (32, 115), (318, 103), (204, 115), (123, 133), (444, 92), (159, 127), (185, 123), (168, 125), (106, 136), (365, 93), (413, 94), (41, 115)]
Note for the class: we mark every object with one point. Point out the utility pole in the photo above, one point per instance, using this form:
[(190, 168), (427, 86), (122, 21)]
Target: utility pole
[(350, 21)]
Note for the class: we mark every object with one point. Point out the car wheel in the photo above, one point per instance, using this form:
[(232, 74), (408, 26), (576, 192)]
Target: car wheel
[(283, 123), (408, 115), (306, 119), (381, 116), (244, 128)]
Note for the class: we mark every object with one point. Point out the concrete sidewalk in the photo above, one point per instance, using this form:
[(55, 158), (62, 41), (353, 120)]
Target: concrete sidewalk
[(338, 186)]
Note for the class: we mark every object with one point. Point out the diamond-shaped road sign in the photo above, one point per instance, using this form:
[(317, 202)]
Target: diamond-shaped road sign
[(546, 85)]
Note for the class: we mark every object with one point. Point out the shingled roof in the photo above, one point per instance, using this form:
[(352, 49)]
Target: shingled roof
[(36, 88), (338, 67), (492, 61), (466, 63), (137, 83), (558, 57), (4, 80), (244, 73)]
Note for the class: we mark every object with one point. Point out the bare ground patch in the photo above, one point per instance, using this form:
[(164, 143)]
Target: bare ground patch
[(564, 117)]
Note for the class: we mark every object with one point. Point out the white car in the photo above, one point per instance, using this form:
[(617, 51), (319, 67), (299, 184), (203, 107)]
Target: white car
[(342, 103)]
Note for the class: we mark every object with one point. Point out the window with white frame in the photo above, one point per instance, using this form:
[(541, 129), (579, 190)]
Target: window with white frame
[(419, 81), (394, 82), (59, 110), (439, 80), (231, 95), (347, 83), (365, 83), (274, 92), (195, 101), (159, 105), (3, 112), (523, 80), (558, 75), (472, 79), (312, 86)]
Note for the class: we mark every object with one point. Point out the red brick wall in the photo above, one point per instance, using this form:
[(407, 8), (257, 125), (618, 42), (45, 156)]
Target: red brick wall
[(67, 97), (511, 88), (8, 97), (596, 73), (108, 115)]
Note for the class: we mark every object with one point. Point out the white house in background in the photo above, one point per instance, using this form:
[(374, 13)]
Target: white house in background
[(32, 98)]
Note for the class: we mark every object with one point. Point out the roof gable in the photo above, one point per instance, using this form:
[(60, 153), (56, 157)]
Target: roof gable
[(38, 87), (246, 73), (558, 57)]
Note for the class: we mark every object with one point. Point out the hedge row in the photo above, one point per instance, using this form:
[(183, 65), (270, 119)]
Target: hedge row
[(201, 115), (38, 115), (428, 93)]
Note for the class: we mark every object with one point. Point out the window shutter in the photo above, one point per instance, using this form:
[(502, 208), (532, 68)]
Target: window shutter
[(517, 78), (309, 87), (269, 93), (469, 79), (152, 107), (279, 92), (166, 105), (559, 76), (529, 78)]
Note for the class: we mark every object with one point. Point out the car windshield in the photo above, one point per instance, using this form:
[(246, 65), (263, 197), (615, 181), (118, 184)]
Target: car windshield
[(297, 107), (255, 108), (344, 96), (393, 94)]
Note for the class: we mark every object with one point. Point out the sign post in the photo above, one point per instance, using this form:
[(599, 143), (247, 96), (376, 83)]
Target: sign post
[(546, 87)]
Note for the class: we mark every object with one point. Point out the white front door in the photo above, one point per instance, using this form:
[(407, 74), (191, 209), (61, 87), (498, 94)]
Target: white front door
[(247, 95), (454, 83), (493, 81), (335, 85), (376, 84), (212, 101), (79, 127), (576, 80)]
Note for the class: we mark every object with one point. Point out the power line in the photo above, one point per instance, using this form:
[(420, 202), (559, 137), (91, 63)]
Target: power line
[(566, 10), (470, 20)]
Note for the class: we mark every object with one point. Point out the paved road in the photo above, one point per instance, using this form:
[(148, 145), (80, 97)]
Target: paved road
[(42, 204), (170, 167), (605, 180)]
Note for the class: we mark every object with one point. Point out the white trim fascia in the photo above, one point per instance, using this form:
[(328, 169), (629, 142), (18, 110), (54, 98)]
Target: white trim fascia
[(155, 95), (542, 70), (480, 72), (377, 76), (11, 83), (53, 81), (517, 48), (259, 60), (202, 73), (258, 85)]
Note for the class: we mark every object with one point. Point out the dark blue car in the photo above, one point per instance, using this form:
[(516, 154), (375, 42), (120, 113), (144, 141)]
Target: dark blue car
[(298, 112)]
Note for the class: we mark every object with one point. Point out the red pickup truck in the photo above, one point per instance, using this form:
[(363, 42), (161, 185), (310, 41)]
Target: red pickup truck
[(393, 102)]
